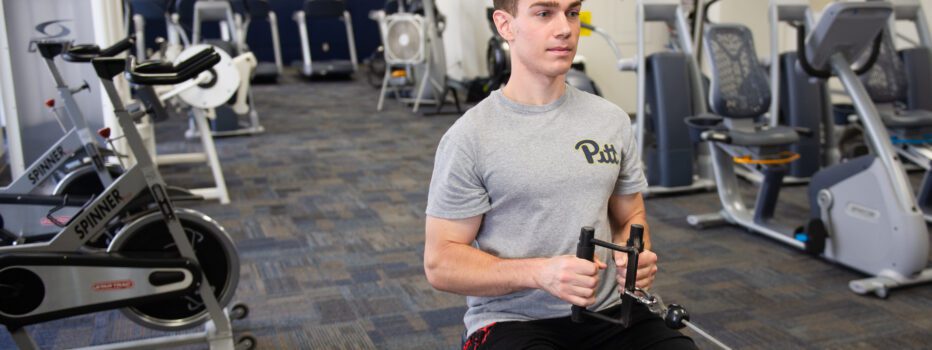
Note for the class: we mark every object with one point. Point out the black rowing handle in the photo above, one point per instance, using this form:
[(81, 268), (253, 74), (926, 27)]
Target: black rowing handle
[(636, 241), (585, 249)]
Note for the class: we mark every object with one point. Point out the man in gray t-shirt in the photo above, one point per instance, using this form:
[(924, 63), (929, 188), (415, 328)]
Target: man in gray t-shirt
[(514, 181)]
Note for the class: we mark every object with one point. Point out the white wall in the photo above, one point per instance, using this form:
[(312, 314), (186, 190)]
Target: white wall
[(28, 83), (908, 29), (927, 7), (617, 17), (750, 13), (466, 36)]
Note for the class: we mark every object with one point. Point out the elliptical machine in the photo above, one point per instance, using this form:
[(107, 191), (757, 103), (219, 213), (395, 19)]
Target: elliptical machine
[(862, 213), (798, 100), (670, 88), (900, 84)]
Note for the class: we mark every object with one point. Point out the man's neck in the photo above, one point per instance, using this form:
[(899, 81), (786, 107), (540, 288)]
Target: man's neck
[(533, 89)]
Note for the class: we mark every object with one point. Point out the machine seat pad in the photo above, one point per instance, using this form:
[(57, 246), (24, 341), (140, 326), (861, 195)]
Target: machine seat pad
[(155, 67), (84, 49), (907, 119), (775, 136)]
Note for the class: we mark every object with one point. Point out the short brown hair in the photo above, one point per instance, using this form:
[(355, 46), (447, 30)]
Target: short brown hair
[(510, 6)]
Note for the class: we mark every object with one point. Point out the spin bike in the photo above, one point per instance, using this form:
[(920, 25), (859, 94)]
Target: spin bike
[(78, 154), (75, 165), (78, 141), (168, 269), (862, 212), (675, 316)]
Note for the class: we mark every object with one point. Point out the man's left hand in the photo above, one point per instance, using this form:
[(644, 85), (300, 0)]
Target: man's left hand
[(647, 269)]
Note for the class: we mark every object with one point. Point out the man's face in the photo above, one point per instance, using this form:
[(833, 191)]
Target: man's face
[(544, 35)]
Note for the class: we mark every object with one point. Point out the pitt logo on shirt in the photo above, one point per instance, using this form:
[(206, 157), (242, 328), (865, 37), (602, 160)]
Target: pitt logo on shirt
[(589, 148)]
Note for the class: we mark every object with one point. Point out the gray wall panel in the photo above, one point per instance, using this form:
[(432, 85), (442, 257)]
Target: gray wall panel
[(44, 19)]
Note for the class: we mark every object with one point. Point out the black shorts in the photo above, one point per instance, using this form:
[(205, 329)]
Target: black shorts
[(648, 331)]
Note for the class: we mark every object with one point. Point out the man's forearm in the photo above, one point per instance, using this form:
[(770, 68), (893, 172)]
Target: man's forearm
[(463, 269), (620, 235), (625, 211)]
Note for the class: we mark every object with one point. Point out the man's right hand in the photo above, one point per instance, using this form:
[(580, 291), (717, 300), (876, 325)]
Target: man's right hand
[(569, 278)]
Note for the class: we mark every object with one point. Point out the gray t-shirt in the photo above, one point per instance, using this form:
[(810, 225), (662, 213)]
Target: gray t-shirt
[(539, 174)]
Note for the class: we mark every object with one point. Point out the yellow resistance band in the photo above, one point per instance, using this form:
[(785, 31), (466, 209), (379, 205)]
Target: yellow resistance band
[(788, 157)]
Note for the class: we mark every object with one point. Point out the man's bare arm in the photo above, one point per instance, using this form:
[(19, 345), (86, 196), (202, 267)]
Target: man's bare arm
[(453, 265), (624, 211)]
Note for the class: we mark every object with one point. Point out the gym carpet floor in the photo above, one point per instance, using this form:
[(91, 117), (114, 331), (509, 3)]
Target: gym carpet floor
[(328, 215)]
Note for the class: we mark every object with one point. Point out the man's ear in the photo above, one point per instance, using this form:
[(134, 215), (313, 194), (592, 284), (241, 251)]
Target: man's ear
[(503, 21)]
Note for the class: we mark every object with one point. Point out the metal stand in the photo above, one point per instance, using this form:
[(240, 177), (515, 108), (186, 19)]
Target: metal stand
[(209, 156), (215, 339)]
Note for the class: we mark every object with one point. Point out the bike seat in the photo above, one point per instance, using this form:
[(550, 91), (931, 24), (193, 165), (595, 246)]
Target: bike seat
[(155, 67), (85, 49), (81, 53), (907, 119), (88, 52), (775, 136)]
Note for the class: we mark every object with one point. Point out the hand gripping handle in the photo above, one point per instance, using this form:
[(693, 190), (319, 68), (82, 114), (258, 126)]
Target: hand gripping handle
[(585, 249)]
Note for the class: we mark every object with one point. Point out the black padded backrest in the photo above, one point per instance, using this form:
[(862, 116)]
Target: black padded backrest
[(917, 62), (803, 103), (739, 88), (316, 9), (886, 80)]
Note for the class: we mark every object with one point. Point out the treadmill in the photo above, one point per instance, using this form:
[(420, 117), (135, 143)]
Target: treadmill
[(261, 9), (321, 10)]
